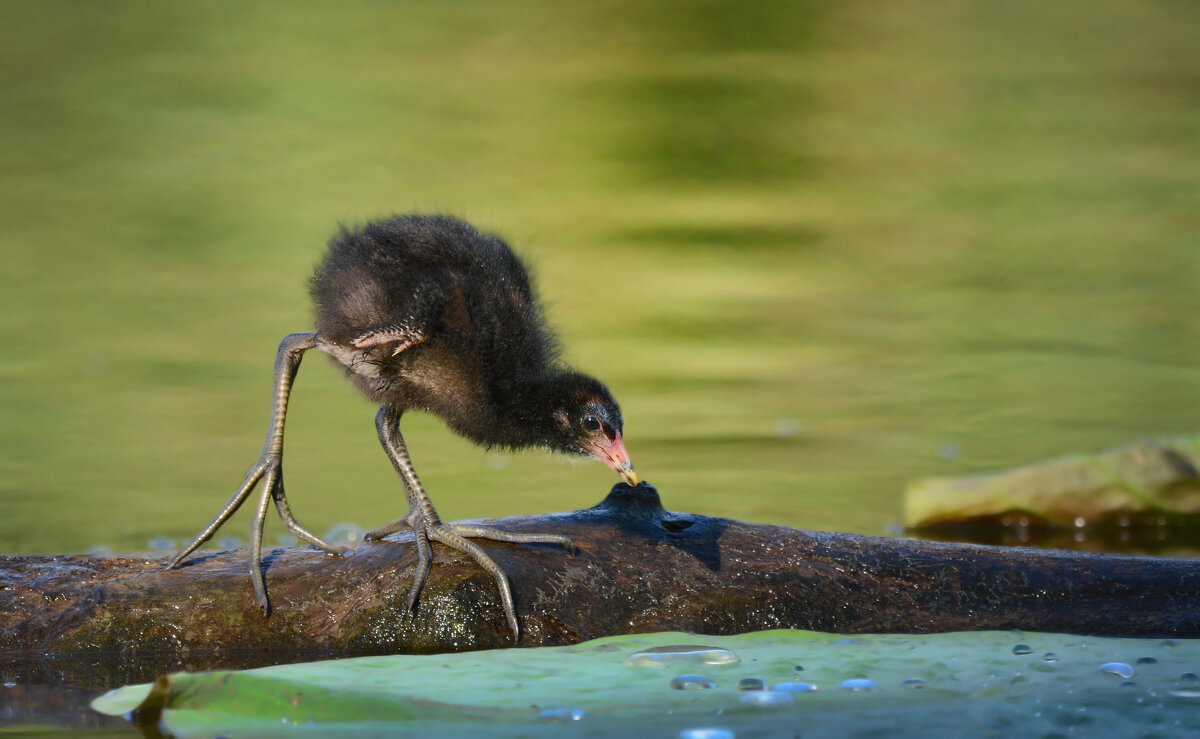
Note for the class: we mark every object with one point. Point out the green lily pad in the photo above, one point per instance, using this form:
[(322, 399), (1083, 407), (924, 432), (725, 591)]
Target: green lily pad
[(969, 682)]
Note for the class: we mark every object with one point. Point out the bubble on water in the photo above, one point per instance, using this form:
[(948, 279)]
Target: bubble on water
[(1169, 643), (1147, 661), (766, 698), (1022, 649), (794, 688), (344, 533), (681, 654), (1049, 657), (1080, 522), (1120, 669), (915, 683), (683, 682), (1188, 680), (706, 732), (751, 683), (860, 685), (562, 714), (798, 668), (161, 543)]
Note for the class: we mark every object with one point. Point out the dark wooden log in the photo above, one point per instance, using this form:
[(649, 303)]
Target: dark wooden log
[(637, 568)]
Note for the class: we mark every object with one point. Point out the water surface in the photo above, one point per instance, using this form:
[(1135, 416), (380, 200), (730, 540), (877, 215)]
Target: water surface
[(810, 246)]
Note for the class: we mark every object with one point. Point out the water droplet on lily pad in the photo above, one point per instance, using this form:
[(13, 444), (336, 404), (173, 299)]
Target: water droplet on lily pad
[(767, 698), (751, 683), (562, 714), (683, 682), (1022, 649), (1049, 657), (1147, 661), (1186, 694), (706, 732), (794, 688), (1120, 669), (681, 654), (1188, 680), (913, 682)]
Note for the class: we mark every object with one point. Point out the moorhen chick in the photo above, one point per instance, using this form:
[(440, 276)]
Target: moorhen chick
[(427, 313)]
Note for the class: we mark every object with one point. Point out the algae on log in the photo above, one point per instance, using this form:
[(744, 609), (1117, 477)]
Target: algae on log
[(636, 568), (1149, 477)]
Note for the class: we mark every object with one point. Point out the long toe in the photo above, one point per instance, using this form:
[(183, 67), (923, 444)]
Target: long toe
[(388, 528), (487, 532)]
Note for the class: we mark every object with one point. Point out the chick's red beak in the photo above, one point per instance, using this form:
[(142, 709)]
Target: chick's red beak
[(612, 453)]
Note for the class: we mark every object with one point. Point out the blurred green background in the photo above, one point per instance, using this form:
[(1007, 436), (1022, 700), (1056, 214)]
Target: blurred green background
[(816, 249)]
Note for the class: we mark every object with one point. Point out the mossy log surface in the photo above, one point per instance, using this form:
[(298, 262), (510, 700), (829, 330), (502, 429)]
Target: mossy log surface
[(1151, 477), (636, 568)]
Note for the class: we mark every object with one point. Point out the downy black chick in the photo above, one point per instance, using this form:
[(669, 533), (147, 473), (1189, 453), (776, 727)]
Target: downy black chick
[(427, 313)]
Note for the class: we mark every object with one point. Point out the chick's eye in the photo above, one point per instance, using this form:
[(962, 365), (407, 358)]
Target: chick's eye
[(590, 424)]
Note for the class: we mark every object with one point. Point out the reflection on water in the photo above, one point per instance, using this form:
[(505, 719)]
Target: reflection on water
[(1133, 534), (56, 690), (702, 107), (46, 705)]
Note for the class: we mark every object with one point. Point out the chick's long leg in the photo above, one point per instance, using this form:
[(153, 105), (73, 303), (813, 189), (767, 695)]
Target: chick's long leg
[(269, 470), (426, 525)]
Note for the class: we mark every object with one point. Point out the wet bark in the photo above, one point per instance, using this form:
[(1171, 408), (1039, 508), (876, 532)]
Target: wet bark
[(636, 568)]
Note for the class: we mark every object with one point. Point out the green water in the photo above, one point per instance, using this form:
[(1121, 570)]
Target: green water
[(816, 249)]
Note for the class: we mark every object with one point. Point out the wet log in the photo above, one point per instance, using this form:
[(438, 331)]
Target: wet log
[(636, 568)]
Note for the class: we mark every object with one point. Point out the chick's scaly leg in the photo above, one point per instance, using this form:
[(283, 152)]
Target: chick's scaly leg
[(269, 470), (426, 525)]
